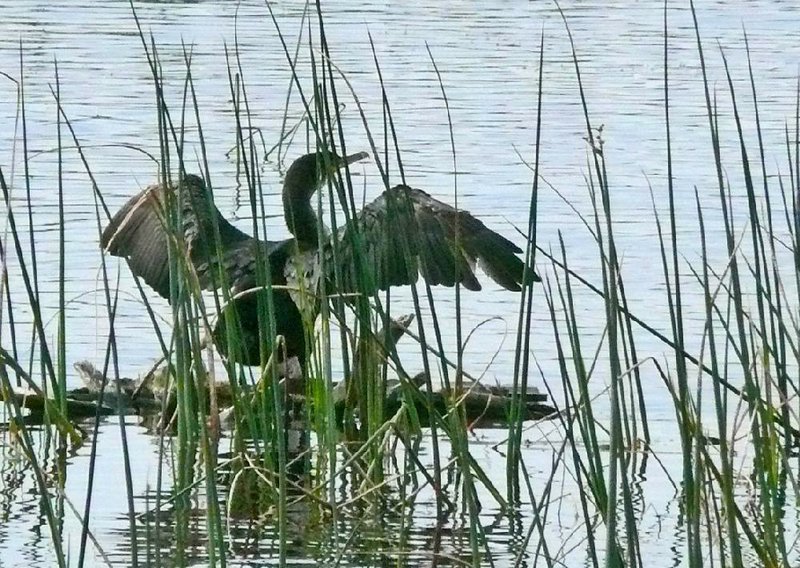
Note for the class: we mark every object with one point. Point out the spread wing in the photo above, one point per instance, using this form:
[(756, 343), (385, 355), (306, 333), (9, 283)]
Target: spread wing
[(406, 232), (139, 233)]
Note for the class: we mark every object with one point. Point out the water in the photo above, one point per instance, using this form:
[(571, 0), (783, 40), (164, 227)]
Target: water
[(488, 56)]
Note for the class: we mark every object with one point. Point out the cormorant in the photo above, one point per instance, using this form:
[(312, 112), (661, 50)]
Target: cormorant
[(403, 232)]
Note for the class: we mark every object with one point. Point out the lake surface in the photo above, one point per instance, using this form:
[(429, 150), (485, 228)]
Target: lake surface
[(487, 54)]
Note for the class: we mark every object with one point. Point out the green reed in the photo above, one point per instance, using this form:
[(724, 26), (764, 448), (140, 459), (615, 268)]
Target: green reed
[(736, 342), (375, 457)]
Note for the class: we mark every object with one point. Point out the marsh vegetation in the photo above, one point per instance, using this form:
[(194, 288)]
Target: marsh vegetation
[(397, 470)]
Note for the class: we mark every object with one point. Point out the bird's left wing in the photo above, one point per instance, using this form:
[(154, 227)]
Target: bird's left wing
[(406, 232)]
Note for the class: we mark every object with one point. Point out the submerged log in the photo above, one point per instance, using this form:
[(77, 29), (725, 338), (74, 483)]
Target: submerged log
[(99, 395), (152, 397), (36, 404), (484, 406)]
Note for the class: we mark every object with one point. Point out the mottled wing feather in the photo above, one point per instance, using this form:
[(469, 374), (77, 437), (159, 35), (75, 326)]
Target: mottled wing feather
[(406, 232), (138, 232)]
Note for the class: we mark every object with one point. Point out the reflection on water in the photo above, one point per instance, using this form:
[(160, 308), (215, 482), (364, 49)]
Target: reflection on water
[(487, 53), (391, 524), (360, 527)]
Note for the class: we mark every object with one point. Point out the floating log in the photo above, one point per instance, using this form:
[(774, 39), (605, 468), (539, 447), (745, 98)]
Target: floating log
[(36, 404), (483, 406)]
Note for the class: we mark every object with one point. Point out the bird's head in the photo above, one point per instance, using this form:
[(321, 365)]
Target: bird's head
[(308, 173), (193, 180)]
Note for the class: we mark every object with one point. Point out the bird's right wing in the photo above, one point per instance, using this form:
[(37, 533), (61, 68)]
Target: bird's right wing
[(406, 232), (139, 233)]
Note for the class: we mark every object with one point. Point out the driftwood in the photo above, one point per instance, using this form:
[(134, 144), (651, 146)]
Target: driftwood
[(99, 395), (36, 404), (483, 405), (151, 398)]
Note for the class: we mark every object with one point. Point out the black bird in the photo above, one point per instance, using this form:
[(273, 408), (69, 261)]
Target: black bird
[(403, 232)]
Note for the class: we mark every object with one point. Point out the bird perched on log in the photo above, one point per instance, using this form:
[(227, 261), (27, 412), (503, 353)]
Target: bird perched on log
[(402, 233)]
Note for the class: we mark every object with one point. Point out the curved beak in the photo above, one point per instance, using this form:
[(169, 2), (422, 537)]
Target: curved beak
[(352, 158), (346, 161)]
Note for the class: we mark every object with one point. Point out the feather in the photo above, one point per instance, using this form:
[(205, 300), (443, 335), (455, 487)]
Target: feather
[(404, 232)]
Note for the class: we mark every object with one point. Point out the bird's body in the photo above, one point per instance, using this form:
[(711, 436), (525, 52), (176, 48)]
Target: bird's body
[(402, 233)]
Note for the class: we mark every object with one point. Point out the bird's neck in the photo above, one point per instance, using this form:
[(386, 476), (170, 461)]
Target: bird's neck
[(300, 219)]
